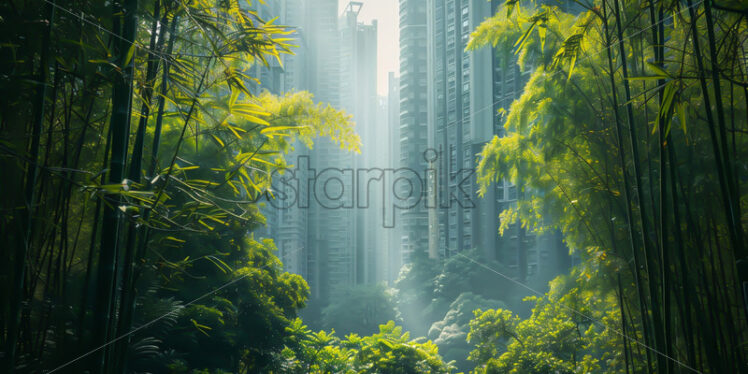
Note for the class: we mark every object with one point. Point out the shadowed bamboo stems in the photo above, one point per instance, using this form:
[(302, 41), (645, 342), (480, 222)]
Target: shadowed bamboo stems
[(649, 260), (683, 271), (32, 171), (642, 304), (104, 320), (128, 291)]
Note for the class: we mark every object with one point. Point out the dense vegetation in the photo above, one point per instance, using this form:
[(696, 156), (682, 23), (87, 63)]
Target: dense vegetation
[(138, 154), (134, 149), (631, 134)]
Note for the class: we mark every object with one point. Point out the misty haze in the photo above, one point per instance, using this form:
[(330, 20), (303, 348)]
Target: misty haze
[(378, 186)]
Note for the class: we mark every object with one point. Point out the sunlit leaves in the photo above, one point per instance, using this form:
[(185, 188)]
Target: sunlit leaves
[(561, 144), (565, 333), (530, 32), (388, 351)]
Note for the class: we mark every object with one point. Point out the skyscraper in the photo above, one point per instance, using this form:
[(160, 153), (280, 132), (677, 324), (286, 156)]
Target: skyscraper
[(413, 123), (313, 240), (358, 93), (332, 227), (461, 120), (466, 90), (325, 237), (393, 230), (288, 226)]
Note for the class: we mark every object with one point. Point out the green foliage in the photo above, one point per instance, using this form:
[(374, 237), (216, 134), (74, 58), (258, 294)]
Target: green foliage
[(82, 108), (634, 196), (214, 202), (527, 31), (459, 274), (387, 351), (565, 333), (177, 203), (243, 325), (426, 288)]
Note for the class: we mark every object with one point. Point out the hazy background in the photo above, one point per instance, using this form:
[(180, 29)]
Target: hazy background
[(388, 53)]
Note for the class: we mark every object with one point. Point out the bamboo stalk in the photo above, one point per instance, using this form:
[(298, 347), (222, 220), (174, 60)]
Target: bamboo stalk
[(32, 171), (627, 198), (119, 122), (644, 218), (128, 291)]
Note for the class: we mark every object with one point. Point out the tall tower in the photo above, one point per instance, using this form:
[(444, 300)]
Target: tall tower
[(466, 90), (332, 224), (462, 119), (394, 232), (287, 226), (413, 118), (323, 61), (358, 97)]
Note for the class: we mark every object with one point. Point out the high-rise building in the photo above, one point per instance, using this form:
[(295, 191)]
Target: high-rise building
[(358, 97), (327, 238), (381, 233), (290, 226), (313, 240), (438, 115), (294, 65), (393, 229), (413, 125), (332, 223), (323, 50), (466, 90), (461, 119), (287, 225)]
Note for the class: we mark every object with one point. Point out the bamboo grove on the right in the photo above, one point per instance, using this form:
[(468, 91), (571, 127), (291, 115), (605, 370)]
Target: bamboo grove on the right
[(632, 130)]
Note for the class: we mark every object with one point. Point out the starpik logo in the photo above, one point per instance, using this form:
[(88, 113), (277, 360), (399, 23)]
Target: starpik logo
[(388, 189)]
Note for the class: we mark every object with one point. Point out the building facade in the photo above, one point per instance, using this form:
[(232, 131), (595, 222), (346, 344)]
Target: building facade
[(326, 237), (462, 118), (358, 93), (463, 115), (393, 230), (413, 125)]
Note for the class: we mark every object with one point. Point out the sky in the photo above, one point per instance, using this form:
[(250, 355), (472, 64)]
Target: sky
[(388, 51)]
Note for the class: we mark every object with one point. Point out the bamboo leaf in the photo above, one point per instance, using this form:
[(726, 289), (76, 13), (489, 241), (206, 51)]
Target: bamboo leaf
[(200, 327), (218, 140), (658, 70), (647, 78), (129, 55), (682, 116), (666, 108), (234, 96), (571, 65), (276, 129), (521, 41), (175, 239), (209, 227)]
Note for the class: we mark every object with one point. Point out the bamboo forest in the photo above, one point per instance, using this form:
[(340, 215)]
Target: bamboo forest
[(375, 186)]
